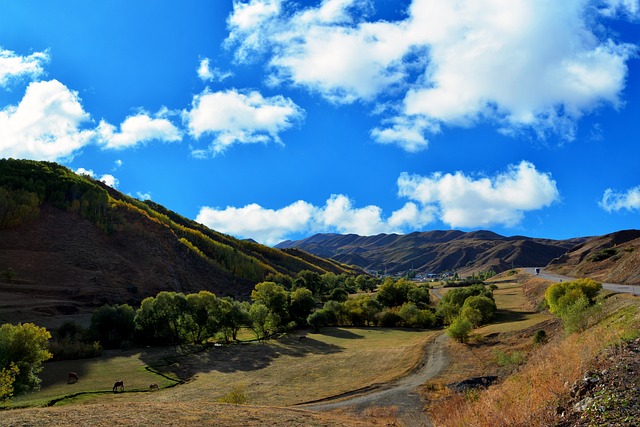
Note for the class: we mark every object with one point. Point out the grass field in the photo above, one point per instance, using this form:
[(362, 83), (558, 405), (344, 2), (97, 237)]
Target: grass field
[(291, 371), (97, 377), (279, 372)]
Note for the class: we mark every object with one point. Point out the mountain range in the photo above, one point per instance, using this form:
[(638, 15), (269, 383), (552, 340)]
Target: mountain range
[(436, 252)]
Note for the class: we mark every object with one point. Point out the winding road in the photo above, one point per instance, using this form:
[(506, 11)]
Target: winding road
[(401, 393), (614, 287)]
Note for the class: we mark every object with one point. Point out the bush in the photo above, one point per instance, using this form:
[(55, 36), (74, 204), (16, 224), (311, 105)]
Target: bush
[(71, 350), (515, 358), (236, 396), (576, 317), (561, 295), (540, 337), (459, 329)]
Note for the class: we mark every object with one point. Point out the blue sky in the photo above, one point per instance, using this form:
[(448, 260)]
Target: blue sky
[(278, 119)]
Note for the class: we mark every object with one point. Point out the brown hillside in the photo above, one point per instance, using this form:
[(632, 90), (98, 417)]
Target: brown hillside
[(613, 258), (65, 265)]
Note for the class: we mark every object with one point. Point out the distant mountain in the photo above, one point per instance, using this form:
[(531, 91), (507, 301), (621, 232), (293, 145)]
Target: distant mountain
[(69, 243), (435, 251), (613, 258)]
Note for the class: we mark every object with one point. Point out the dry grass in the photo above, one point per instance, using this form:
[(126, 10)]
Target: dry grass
[(530, 396), (176, 414), (289, 371)]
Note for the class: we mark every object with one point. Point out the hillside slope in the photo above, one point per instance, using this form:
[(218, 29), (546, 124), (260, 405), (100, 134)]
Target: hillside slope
[(613, 258), (71, 243), (435, 251)]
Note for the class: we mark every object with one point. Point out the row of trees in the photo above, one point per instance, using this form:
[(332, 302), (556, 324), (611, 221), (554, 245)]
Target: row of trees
[(174, 318)]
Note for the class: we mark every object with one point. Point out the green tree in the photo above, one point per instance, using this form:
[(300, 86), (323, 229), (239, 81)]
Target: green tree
[(263, 322), (159, 319), (318, 319), (23, 349), (459, 329), (235, 315), (113, 325), (302, 304), (485, 306), (274, 297), (202, 317), (473, 315)]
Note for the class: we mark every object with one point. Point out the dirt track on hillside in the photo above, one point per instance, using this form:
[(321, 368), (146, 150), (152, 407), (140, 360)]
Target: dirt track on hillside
[(401, 393)]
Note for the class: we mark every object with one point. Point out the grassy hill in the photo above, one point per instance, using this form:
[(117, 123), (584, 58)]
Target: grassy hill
[(69, 243)]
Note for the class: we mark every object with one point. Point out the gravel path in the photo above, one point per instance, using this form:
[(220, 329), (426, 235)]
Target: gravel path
[(401, 393)]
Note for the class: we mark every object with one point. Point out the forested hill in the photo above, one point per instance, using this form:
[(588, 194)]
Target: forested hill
[(73, 242), (435, 251)]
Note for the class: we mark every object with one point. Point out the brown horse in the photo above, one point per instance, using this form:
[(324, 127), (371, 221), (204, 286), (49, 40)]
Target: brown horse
[(118, 385), (154, 387), (73, 378)]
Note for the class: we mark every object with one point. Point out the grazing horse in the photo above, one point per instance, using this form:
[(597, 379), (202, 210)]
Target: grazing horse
[(73, 378), (118, 384), (154, 387)]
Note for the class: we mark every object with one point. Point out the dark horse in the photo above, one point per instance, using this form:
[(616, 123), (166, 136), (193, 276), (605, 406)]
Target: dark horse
[(118, 385), (73, 378)]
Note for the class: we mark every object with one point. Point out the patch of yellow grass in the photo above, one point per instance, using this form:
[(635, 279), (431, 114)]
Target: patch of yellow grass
[(291, 371)]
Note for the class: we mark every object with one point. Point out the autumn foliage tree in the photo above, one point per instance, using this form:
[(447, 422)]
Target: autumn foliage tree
[(23, 349)]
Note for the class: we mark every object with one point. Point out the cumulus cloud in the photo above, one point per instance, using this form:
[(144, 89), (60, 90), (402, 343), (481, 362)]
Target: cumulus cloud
[(234, 117), (16, 66), (338, 215), (463, 201), (253, 221), (616, 201), (107, 178), (521, 64), (206, 73), (45, 125), (454, 199), (137, 130)]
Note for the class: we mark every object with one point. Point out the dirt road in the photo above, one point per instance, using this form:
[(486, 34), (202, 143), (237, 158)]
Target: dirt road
[(400, 393), (614, 287)]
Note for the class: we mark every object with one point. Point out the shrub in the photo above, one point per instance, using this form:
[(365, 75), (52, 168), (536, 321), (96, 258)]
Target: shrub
[(459, 329), (236, 396), (563, 294), (515, 358), (540, 337)]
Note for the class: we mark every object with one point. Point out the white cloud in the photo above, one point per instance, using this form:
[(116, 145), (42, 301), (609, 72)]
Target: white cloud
[(16, 66), (615, 201), (253, 221), (233, 117), (143, 196), (206, 73), (521, 64), (45, 125), (108, 179), (462, 201), (137, 130), (338, 215), (455, 199)]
